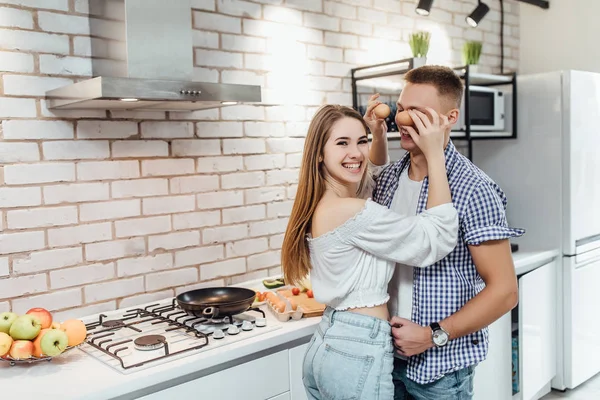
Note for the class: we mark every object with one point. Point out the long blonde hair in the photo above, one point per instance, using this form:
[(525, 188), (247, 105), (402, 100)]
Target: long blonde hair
[(295, 255)]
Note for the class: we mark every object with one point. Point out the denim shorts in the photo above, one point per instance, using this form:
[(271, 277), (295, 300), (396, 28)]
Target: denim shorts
[(457, 385), (350, 356)]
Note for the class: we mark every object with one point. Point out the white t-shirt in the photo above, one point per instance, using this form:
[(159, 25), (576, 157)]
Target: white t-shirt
[(405, 202)]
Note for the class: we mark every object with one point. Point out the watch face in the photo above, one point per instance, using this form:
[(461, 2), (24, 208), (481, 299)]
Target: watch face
[(440, 338)]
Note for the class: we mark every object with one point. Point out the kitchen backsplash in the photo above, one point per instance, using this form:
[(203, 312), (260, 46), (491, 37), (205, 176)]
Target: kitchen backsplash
[(101, 210)]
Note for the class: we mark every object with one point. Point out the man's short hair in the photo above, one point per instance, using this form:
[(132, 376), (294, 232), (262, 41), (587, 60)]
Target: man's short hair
[(444, 79)]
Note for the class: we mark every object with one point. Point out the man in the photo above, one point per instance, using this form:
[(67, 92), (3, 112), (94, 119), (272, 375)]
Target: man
[(441, 312)]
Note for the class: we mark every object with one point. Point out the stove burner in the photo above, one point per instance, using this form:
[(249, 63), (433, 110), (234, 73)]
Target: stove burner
[(149, 342), (113, 324)]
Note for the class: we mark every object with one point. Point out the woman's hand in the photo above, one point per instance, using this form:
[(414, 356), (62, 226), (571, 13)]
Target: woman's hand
[(431, 131), (377, 126)]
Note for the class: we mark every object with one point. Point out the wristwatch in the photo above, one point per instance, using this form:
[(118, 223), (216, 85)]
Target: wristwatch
[(439, 335)]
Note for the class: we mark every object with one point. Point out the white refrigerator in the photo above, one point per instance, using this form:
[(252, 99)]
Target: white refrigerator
[(551, 176)]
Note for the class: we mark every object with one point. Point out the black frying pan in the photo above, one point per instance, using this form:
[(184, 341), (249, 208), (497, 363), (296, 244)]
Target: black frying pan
[(216, 301)]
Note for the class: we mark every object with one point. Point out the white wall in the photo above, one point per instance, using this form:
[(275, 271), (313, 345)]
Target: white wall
[(561, 37)]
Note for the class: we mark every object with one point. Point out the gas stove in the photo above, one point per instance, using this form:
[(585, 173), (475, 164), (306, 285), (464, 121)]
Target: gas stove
[(137, 338)]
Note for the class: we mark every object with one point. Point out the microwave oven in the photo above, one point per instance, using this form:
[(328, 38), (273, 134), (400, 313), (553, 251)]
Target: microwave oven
[(486, 110)]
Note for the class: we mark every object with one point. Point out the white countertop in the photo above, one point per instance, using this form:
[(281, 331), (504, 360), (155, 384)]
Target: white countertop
[(527, 260), (76, 375)]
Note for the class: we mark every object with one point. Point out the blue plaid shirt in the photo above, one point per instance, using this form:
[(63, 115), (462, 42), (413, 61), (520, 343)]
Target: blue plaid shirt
[(443, 288)]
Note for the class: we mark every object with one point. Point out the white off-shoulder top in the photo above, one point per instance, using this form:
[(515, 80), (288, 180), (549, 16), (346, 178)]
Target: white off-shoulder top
[(353, 264)]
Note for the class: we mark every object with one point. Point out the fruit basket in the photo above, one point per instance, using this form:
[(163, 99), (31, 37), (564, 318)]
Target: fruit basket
[(35, 337), (15, 361)]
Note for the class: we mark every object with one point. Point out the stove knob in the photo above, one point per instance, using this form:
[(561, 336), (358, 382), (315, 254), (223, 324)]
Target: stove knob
[(260, 322), (218, 334), (247, 326), (233, 330)]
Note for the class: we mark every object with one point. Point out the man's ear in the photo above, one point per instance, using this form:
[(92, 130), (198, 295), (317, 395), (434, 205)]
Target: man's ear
[(453, 116)]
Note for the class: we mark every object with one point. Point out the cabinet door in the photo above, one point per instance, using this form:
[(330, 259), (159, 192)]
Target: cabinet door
[(258, 379), (296, 360), (493, 376), (537, 328), (282, 396), (582, 348)]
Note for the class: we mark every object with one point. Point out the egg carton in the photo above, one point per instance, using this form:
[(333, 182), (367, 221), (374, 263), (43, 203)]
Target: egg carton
[(288, 312)]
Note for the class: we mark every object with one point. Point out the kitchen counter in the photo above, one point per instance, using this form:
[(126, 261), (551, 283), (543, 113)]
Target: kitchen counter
[(528, 260), (76, 375)]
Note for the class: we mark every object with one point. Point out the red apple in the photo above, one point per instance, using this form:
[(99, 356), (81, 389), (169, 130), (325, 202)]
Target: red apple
[(295, 291), (310, 294), (43, 315), (21, 349)]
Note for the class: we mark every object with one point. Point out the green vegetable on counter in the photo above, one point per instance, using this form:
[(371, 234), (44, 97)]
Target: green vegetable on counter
[(273, 283)]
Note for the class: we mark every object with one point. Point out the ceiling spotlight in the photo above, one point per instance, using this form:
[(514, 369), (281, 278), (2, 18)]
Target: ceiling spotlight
[(423, 7), (477, 15)]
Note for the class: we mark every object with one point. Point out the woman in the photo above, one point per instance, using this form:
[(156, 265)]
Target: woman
[(350, 246)]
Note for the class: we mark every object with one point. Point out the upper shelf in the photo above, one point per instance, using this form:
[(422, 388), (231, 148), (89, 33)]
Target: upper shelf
[(478, 78)]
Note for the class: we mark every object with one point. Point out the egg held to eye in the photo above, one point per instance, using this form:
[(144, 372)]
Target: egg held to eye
[(382, 111), (403, 119)]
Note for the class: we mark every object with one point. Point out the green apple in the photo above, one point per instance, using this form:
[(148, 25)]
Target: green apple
[(25, 327), (5, 343), (54, 342), (6, 320)]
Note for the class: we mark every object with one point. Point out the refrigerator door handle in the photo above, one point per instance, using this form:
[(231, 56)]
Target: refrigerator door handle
[(587, 243), (583, 262)]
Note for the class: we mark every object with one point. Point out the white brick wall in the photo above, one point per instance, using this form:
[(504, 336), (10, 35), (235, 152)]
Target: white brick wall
[(45, 260), (42, 217), (101, 209), (141, 265)]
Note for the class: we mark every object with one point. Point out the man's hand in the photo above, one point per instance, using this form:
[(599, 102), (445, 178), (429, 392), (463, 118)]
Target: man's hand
[(409, 338), (377, 126)]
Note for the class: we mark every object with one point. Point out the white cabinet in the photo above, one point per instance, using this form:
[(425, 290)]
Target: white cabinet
[(533, 326), (296, 360), (537, 329), (263, 378), (283, 396), (493, 378)]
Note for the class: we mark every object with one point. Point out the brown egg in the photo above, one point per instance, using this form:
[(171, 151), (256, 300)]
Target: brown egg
[(403, 119), (382, 111)]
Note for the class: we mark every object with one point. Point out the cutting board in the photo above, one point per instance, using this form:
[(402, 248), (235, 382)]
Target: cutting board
[(310, 307)]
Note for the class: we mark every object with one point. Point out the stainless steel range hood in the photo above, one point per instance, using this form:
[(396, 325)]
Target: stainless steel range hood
[(142, 59)]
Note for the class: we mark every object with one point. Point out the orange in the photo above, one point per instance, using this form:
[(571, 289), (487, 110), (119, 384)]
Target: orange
[(37, 350), (75, 330)]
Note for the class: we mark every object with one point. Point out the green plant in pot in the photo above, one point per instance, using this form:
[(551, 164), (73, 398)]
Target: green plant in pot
[(419, 45), (471, 53)]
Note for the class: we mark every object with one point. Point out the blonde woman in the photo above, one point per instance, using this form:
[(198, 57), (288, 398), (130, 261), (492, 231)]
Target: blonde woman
[(350, 245)]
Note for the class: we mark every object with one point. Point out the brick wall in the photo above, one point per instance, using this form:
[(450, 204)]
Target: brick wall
[(108, 209)]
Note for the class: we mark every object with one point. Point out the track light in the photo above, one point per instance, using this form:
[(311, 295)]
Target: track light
[(424, 7), (540, 3), (477, 15)]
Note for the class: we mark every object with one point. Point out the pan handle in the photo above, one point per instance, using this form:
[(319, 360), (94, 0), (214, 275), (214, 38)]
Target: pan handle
[(210, 312)]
